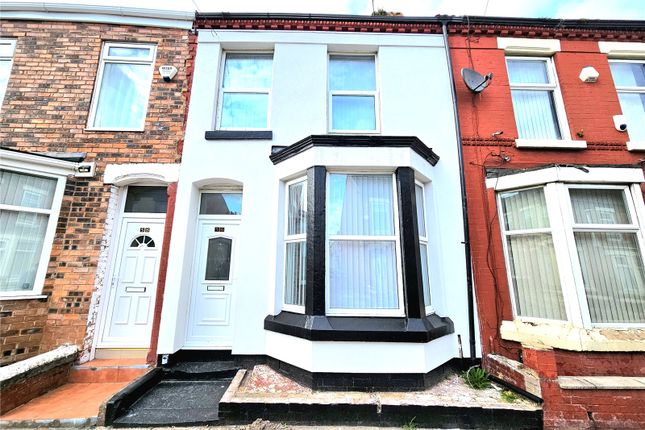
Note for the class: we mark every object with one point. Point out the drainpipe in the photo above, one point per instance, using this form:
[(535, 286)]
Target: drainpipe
[(464, 204)]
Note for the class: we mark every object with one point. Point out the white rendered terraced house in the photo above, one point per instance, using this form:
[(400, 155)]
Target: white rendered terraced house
[(318, 217)]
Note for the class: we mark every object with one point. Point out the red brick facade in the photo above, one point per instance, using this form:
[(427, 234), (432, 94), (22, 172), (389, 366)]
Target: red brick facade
[(46, 108), (589, 109)]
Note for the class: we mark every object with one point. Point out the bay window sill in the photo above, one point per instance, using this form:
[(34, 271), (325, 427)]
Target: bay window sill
[(636, 146), (23, 297), (551, 143), (362, 329), (564, 335)]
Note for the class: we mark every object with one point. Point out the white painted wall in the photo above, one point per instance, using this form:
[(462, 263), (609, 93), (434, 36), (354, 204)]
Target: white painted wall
[(415, 100)]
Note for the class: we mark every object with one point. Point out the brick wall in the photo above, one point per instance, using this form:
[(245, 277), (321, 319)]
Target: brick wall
[(589, 109), (46, 108)]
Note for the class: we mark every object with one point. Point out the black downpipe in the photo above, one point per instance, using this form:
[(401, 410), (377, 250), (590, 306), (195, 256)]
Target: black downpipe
[(464, 204)]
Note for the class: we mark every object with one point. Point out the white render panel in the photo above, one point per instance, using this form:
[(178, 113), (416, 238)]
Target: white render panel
[(356, 42), (414, 87)]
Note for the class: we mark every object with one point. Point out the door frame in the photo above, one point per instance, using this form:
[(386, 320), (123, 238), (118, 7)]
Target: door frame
[(232, 220), (112, 265)]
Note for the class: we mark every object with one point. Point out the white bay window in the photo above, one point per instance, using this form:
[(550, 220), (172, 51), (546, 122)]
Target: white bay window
[(295, 246), (423, 244), (362, 245), (29, 205), (575, 252)]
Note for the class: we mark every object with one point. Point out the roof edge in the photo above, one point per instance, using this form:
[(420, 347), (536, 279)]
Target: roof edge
[(597, 24)]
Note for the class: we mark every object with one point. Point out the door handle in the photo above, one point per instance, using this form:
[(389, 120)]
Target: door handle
[(215, 287)]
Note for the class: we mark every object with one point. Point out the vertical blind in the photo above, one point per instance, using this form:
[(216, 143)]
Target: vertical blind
[(362, 245), (423, 243), (534, 107), (296, 251), (22, 232), (611, 261), (534, 269)]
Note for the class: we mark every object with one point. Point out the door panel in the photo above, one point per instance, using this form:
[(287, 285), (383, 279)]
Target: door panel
[(130, 307), (210, 315)]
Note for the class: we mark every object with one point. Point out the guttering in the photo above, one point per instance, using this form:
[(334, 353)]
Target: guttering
[(582, 24), (464, 203), (45, 11)]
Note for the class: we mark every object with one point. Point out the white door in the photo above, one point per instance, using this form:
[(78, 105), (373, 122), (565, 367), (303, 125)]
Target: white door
[(211, 302), (134, 284)]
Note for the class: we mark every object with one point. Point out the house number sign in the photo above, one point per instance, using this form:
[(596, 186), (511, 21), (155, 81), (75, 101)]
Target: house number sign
[(144, 230), (218, 229)]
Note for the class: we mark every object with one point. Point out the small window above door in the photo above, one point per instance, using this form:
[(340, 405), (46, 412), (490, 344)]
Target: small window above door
[(221, 204), (152, 200)]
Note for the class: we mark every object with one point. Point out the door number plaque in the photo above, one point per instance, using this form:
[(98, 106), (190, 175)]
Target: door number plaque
[(218, 229), (144, 230)]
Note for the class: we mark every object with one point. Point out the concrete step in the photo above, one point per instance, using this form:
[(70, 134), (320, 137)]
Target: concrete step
[(201, 370), (175, 402), (108, 370)]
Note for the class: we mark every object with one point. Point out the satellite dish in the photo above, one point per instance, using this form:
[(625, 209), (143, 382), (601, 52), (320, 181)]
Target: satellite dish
[(474, 80)]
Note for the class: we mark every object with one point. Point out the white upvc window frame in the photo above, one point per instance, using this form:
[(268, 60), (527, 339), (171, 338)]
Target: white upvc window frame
[(631, 144), (105, 58), (292, 238), (11, 43), (30, 164), (249, 90), (562, 228), (396, 238), (375, 93), (423, 240), (553, 86)]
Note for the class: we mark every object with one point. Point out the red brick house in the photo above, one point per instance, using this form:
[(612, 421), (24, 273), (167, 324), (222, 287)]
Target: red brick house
[(91, 136), (555, 203)]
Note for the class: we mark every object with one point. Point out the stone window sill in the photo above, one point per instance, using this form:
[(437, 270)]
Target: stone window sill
[(636, 146), (551, 143), (564, 335)]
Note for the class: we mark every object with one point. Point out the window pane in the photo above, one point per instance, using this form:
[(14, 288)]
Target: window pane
[(352, 73), (221, 204), (599, 206), (353, 113), (244, 110), (628, 74), (535, 114), (19, 189), (360, 205), (524, 210), (613, 275), (421, 218), (425, 274), (218, 259), (21, 243), (248, 71), (633, 107), (123, 96), (536, 280), (297, 216), (5, 71), (146, 200), (122, 51), (527, 72), (362, 275), (295, 282)]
